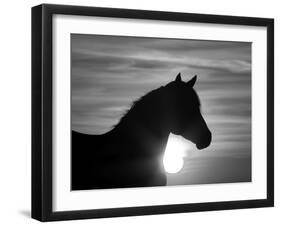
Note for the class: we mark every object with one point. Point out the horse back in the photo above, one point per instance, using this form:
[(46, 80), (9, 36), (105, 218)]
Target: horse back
[(110, 161)]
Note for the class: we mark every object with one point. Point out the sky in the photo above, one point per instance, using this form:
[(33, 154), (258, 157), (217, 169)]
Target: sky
[(109, 72)]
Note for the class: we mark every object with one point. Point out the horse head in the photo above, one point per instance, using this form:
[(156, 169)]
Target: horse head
[(184, 115)]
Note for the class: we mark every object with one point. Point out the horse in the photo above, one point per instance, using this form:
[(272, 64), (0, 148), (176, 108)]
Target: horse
[(131, 153)]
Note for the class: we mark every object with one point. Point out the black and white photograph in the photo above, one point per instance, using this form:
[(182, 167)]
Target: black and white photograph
[(149, 111)]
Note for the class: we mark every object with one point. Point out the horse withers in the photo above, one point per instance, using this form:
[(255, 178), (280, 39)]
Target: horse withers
[(131, 154)]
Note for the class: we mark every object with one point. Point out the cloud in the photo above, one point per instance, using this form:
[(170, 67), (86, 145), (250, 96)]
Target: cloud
[(213, 170)]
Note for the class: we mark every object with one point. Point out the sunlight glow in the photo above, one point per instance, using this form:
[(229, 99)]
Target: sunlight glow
[(174, 154)]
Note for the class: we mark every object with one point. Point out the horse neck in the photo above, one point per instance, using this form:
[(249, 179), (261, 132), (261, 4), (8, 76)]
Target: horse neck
[(146, 120)]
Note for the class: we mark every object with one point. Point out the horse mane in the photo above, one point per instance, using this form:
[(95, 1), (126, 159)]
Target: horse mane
[(138, 105)]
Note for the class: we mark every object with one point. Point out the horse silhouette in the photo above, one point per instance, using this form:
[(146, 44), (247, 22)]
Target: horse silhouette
[(131, 154)]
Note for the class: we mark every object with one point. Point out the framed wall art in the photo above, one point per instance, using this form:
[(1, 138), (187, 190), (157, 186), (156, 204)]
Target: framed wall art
[(145, 112)]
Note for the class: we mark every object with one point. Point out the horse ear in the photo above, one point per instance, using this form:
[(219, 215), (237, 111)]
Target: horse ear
[(192, 81), (178, 78)]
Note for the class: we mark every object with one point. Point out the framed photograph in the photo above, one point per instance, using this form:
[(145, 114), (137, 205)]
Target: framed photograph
[(145, 112)]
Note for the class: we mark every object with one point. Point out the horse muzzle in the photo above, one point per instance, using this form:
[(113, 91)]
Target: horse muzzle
[(205, 141)]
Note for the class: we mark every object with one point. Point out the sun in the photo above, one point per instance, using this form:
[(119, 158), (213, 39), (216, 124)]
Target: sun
[(175, 151), (173, 165)]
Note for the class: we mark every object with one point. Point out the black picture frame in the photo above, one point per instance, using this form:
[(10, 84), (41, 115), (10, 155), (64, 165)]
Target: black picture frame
[(42, 106)]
